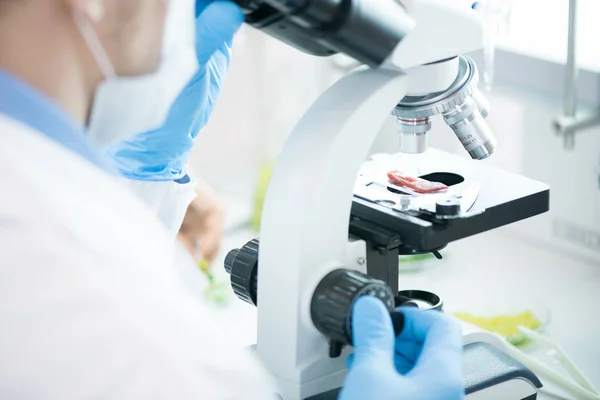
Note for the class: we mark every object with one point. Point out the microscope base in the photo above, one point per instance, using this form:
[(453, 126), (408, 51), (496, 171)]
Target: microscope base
[(489, 375)]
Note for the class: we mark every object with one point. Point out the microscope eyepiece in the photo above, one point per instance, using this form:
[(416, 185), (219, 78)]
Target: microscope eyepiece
[(365, 30)]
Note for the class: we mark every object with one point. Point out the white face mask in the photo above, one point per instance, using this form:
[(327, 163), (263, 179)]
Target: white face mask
[(126, 106)]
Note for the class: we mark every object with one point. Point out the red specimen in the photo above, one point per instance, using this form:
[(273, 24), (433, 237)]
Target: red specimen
[(416, 184)]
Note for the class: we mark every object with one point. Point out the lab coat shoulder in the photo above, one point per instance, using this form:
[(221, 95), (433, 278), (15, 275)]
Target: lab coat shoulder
[(87, 306)]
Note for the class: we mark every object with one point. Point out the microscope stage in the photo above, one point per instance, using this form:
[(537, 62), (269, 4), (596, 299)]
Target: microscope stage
[(482, 196)]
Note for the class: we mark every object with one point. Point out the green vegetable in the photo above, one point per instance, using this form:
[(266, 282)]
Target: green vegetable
[(415, 257), (218, 292), (204, 266), (505, 325)]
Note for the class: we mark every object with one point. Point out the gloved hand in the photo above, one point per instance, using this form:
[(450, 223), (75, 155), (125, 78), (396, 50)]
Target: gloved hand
[(423, 363), (161, 154)]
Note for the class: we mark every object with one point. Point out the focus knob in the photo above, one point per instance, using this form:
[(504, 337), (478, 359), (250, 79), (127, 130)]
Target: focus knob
[(334, 297), (242, 266)]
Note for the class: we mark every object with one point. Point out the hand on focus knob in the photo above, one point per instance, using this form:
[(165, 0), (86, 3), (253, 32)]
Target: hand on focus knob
[(423, 363)]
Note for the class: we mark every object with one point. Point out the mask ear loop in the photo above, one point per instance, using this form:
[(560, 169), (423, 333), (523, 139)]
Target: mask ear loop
[(95, 13)]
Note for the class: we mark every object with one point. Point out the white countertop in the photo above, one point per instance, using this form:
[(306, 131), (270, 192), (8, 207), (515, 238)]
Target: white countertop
[(492, 267)]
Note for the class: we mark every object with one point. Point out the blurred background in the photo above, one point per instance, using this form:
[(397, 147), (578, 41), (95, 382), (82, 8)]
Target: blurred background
[(549, 263)]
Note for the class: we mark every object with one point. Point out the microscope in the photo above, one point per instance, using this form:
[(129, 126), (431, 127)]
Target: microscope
[(333, 225)]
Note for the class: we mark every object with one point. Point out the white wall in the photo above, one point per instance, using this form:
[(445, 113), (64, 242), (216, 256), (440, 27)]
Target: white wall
[(539, 28), (268, 88), (522, 116)]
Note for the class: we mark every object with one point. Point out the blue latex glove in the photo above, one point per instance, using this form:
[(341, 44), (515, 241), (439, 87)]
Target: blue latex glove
[(161, 155), (423, 363)]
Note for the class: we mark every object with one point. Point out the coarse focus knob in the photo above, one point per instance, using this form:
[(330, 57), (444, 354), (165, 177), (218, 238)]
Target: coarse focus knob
[(334, 297), (242, 266)]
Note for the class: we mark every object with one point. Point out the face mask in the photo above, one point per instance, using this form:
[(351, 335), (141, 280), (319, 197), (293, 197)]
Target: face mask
[(126, 106)]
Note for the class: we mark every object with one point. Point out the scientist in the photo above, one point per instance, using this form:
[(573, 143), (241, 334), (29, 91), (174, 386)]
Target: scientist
[(100, 102)]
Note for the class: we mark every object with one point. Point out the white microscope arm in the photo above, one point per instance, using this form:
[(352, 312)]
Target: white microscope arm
[(304, 232), (306, 214)]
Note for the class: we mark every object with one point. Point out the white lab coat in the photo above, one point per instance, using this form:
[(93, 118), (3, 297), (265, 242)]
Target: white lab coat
[(91, 303)]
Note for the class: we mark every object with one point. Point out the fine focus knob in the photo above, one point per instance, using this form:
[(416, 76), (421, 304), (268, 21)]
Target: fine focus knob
[(242, 266), (334, 297)]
